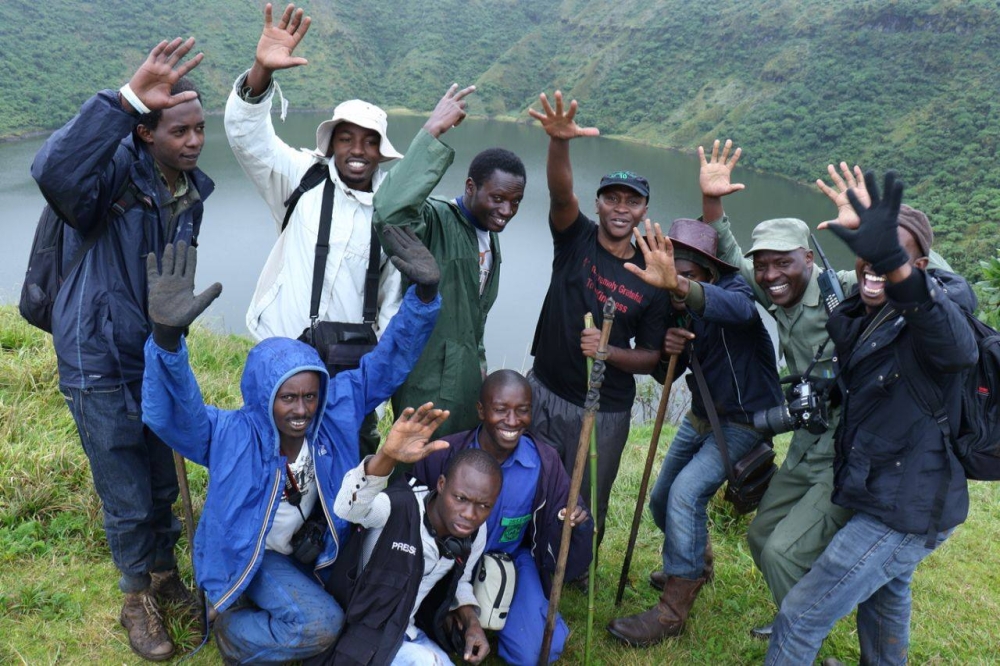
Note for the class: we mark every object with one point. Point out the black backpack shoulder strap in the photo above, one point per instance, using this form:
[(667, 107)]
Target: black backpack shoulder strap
[(128, 195), (315, 175)]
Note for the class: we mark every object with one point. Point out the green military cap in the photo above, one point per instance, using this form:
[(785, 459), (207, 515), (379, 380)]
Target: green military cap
[(781, 235)]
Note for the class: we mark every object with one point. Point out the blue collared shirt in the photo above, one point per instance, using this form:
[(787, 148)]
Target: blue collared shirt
[(512, 512)]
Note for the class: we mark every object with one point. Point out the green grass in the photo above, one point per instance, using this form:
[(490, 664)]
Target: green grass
[(59, 600)]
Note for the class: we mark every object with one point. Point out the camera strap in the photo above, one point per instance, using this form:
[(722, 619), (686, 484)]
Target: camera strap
[(292, 493), (368, 308), (713, 416)]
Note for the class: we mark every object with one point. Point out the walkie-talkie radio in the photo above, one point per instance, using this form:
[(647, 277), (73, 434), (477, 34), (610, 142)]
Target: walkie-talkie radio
[(829, 284)]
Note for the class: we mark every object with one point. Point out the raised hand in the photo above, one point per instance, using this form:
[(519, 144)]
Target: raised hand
[(559, 124), (449, 112), (412, 259), (714, 177), (277, 42), (658, 252), (162, 68), (876, 238), (173, 305), (408, 440), (852, 180)]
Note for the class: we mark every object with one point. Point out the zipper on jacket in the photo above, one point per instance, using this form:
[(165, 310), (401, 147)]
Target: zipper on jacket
[(260, 541), (333, 531)]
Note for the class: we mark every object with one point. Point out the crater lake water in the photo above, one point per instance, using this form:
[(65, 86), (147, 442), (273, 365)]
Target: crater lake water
[(238, 231)]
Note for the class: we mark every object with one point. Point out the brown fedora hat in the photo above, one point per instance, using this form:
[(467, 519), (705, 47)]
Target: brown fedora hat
[(699, 238)]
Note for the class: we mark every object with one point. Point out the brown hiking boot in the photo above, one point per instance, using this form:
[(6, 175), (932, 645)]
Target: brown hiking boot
[(665, 619), (658, 578), (146, 634)]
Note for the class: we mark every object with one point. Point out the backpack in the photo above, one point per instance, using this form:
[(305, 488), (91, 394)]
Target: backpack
[(977, 443), (45, 273), (976, 439)]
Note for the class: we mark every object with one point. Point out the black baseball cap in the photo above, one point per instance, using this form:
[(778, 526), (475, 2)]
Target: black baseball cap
[(633, 181)]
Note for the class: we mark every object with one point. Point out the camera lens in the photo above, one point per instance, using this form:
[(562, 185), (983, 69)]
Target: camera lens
[(773, 421)]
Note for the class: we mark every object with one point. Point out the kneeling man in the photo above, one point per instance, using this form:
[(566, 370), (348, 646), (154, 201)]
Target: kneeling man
[(276, 463), (526, 522)]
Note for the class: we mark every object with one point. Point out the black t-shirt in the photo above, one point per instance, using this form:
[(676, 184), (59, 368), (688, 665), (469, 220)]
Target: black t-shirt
[(584, 275)]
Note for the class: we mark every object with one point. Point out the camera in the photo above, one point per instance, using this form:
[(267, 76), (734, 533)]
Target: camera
[(307, 543), (805, 409)]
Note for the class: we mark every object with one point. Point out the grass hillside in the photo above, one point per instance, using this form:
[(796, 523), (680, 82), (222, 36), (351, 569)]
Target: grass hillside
[(798, 83), (59, 600)]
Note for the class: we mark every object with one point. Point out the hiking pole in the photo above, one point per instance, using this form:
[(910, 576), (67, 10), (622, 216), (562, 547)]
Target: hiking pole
[(590, 412), (182, 484), (588, 322), (654, 441)]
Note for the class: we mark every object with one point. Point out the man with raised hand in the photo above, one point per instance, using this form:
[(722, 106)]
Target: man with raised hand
[(796, 518), (134, 152), (267, 536), (902, 344), (353, 143), (463, 235), (417, 538), (587, 269)]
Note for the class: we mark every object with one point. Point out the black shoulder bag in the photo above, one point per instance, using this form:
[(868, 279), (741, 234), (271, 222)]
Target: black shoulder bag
[(750, 476), (340, 344)]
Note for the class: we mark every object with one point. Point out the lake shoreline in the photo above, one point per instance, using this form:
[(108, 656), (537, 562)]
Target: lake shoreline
[(504, 118)]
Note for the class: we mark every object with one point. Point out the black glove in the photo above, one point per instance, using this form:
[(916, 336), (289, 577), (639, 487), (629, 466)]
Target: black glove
[(876, 239), (413, 260), (172, 303)]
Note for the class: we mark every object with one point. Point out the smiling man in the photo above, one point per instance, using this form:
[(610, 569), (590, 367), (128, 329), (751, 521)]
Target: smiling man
[(353, 143), (796, 518), (123, 176), (526, 521), (463, 235), (587, 269)]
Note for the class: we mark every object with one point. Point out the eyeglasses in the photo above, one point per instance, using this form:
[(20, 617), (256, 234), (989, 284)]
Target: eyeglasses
[(615, 199)]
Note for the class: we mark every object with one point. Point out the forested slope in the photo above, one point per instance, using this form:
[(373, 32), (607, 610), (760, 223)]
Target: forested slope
[(911, 84)]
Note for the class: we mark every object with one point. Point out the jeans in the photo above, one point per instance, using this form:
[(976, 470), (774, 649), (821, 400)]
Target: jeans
[(691, 473), (134, 475), (289, 617), (868, 565), (420, 651)]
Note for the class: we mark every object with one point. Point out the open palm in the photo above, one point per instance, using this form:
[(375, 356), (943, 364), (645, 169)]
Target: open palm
[(277, 42)]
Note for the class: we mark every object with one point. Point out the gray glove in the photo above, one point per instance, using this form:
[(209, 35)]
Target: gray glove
[(172, 303), (413, 260)]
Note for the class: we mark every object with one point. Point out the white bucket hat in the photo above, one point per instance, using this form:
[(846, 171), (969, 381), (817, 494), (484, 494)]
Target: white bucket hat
[(361, 114)]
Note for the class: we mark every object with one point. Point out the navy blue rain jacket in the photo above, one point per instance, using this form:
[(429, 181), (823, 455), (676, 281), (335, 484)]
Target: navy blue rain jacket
[(735, 351), (99, 322), (890, 456), (241, 448)]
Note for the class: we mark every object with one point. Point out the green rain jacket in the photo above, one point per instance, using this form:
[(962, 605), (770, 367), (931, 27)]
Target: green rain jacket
[(450, 371)]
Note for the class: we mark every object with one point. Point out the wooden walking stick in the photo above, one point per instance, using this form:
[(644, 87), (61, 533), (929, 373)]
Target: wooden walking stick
[(590, 413), (588, 322), (654, 441), (182, 484)]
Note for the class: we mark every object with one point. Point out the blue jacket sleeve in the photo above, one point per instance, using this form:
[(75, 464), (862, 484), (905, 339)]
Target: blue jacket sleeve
[(729, 303), (76, 168), (172, 405), (941, 333), (386, 368)]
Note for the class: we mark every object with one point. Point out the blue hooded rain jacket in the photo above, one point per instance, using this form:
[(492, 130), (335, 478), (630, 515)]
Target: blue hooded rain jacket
[(241, 448)]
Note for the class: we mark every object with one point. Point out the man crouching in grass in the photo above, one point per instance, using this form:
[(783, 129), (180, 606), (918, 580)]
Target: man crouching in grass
[(268, 536)]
